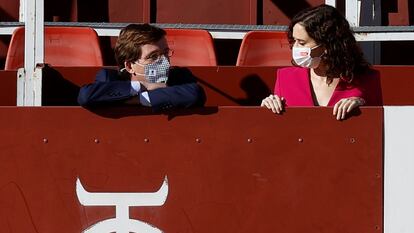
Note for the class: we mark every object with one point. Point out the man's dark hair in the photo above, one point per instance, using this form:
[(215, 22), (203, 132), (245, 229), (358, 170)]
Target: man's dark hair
[(130, 40)]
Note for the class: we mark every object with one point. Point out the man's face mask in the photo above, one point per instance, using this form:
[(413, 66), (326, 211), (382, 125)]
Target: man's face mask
[(302, 57), (157, 72)]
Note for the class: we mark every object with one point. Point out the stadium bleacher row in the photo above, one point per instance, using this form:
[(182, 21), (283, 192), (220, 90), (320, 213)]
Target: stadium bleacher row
[(224, 85), (68, 49), (79, 46)]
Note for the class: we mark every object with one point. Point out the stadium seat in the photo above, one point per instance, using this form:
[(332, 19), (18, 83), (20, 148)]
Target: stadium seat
[(191, 47), (262, 48), (64, 46)]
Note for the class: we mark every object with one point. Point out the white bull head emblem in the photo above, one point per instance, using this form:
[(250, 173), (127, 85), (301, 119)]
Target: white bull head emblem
[(122, 201)]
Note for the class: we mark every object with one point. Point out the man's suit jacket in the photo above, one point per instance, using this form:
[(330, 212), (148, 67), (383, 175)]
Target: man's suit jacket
[(110, 87), (293, 83)]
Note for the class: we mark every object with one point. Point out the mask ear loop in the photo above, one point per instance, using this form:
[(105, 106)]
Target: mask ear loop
[(322, 56), (123, 70), (137, 63), (316, 46)]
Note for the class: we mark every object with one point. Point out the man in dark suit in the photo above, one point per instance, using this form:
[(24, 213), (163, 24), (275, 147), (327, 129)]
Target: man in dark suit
[(145, 76)]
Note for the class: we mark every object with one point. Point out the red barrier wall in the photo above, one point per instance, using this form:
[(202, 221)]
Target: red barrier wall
[(234, 170), (8, 88), (225, 86)]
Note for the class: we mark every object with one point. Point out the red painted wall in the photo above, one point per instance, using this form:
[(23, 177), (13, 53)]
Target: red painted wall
[(215, 12), (394, 12), (249, 171), (280, 12)]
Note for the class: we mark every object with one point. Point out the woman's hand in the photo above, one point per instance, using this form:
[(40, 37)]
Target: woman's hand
[(274, 103), (345, 105)]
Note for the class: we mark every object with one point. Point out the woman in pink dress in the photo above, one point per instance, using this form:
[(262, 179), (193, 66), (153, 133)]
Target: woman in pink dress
[(329, 67)]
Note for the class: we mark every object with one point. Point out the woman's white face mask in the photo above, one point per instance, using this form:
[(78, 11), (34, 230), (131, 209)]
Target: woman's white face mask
[(302, 57)]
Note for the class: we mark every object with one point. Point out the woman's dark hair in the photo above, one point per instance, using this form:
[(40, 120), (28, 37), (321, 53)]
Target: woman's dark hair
[(329, 28), (131, 38)]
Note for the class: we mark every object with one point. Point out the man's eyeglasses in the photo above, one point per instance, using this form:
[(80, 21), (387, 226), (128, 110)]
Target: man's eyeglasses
[(154, 56)]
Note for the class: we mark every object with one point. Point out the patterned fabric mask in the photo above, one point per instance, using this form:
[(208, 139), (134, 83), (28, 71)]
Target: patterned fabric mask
[(157, 72)]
